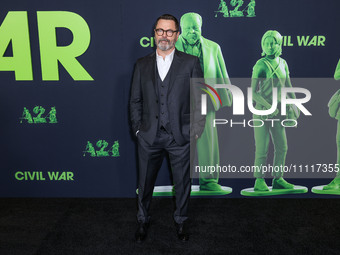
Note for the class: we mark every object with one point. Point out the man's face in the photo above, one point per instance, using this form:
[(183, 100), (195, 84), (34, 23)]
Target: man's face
[(165, 42), (191, 29)]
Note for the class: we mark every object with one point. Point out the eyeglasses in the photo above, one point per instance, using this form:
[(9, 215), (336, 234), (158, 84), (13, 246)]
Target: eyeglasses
[(169, 32)]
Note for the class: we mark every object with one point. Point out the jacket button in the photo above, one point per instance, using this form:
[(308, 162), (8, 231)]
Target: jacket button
[(156, 116), (156, 101)]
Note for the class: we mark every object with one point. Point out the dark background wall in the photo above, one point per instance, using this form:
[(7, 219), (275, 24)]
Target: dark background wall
[(89, 111)]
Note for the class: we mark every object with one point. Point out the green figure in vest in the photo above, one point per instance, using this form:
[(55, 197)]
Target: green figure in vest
[(335, 183), (270, 72), (192, 42)]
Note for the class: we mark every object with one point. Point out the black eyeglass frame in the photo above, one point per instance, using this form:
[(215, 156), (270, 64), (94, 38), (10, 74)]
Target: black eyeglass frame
[(166, 32)]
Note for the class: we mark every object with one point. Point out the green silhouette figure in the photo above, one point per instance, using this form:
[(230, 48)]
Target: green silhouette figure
[(115, 149), (89, 149), (337, 72), (40, 111), (102, 152), (52, 116), (26, 115), (222, 8), (211, 59), (269, 72), (335, 183), (251, 9), (236, 12)]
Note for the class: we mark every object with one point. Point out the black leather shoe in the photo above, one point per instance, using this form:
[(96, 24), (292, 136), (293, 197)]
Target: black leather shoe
[(182, 231), (141, 232)]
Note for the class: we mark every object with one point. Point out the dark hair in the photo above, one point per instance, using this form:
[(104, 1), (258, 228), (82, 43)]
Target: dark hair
[(168, 17)]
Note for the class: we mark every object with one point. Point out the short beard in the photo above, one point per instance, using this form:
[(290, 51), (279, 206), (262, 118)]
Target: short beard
[(169, 46)]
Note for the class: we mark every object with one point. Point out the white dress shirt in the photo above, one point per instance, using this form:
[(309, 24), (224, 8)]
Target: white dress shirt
[(163, 65)]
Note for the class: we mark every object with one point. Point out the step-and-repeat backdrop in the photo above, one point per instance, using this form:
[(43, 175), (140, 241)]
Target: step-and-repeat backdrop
[(65, 75)]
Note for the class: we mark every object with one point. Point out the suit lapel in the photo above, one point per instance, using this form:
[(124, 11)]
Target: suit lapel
[(150, 70), (174, 68), (153, 71)]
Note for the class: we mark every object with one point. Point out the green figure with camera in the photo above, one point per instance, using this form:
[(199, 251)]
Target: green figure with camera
[(270, 72)]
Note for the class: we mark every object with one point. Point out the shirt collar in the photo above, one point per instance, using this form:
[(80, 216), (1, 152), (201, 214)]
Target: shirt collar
[(168, 57)]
